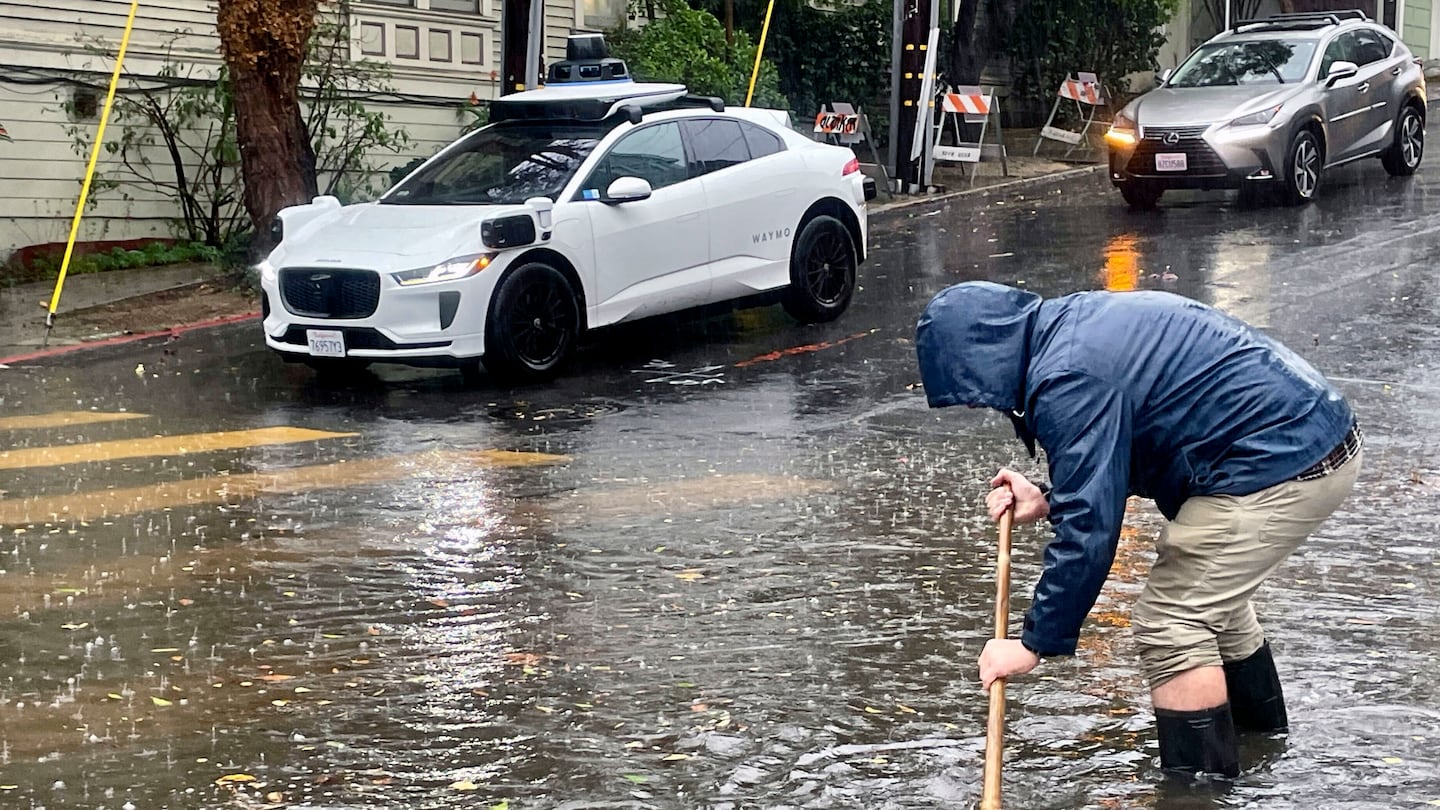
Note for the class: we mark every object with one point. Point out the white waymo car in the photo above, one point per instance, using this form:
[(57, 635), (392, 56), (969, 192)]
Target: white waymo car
[(591, 202)]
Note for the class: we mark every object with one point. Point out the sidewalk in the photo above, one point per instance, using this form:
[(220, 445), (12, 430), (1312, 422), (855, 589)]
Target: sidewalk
[(81, 319)]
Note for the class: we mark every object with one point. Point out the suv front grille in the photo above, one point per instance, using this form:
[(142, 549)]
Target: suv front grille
[(1200, 159), (317, 292), (1184, 133)]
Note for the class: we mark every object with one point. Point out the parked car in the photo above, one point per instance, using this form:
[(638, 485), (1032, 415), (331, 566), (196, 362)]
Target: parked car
[(1272, 104), (593, 201)]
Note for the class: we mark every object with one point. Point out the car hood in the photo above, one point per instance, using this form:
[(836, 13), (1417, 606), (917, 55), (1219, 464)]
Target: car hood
[(1178, 106), (387, 237)]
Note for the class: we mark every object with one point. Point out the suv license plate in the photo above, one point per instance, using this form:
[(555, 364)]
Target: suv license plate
[(326, 342), (1171, 162)]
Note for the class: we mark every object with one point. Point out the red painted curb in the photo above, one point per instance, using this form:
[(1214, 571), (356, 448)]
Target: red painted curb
[(123, 339)]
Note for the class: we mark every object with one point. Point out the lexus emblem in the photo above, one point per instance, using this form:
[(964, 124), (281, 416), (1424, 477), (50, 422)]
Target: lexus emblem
[(1171, 138)]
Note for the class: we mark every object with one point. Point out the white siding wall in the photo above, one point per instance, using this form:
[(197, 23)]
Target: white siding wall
[(454, 55)]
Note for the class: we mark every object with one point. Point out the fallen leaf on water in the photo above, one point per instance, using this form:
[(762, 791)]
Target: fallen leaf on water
[(1392, 760), (690, 574), (906, 709), (300, 690), (280, 703), (80, 626), (439, 603), (17, 787), (158, 701), (374, 631), (234, 777), (871, 710), (276, 678), (636, 778), (674, 757), (114, 696), (699, 707), (464, 784), (186, 602), (504, 804), (162, 650), (275, 797)]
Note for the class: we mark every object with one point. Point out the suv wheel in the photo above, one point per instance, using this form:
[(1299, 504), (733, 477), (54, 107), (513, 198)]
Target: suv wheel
[(533, 324), (1303, 166), (1403, 157), (1141, 196), (822, 271)]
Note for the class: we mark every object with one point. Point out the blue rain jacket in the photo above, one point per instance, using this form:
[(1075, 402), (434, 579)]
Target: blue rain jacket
[(1137, 393)]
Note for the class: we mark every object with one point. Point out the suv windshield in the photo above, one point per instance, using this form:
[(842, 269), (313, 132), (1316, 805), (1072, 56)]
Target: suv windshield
[(505, 164), (1249, 62)]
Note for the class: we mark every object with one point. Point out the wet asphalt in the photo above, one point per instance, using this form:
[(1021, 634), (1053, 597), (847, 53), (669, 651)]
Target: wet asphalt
[(725, 562)]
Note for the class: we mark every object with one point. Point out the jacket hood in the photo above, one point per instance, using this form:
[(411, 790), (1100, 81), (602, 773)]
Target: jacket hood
[(973, 346)]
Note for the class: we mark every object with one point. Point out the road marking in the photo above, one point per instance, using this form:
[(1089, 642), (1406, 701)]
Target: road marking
[(158, 446), (41, 421), (88, 506), (679, 497)]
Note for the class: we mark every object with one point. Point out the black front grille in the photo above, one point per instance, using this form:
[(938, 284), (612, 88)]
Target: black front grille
[(324, 293), (1200, 159), (360, 337)]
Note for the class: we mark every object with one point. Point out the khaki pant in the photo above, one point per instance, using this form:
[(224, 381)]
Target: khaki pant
[(1195, 610)]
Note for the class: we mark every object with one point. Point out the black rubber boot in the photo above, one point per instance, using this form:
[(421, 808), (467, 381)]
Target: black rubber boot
[(1256, 700), (1198, 742)]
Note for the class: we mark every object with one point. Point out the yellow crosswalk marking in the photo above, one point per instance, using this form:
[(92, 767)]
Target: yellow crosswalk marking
[(158, 446), (88, 506), (41, 421)]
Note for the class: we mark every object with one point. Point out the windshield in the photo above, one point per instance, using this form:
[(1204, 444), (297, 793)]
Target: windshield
[(505, 164), (1254, 62)]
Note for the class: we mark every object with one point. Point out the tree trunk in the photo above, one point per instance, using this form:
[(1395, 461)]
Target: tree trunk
[(979, 32), (264, 43)]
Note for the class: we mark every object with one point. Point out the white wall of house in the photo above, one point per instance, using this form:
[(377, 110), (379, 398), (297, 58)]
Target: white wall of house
[(440, 52)]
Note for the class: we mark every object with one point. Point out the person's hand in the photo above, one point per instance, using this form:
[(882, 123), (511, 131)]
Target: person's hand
[(1003, 658), (1012, 487)]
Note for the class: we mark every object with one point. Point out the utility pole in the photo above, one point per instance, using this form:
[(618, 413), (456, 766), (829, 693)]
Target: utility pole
[(522, 43), (913, 20)]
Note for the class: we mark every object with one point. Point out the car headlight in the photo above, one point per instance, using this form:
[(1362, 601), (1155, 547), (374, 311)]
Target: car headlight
[(1122, 131), (449, 270), (1257, 118), (267, 271)]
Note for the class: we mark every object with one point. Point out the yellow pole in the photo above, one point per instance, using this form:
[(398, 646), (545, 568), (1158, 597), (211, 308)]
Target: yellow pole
[(759, 52), (90, 170)]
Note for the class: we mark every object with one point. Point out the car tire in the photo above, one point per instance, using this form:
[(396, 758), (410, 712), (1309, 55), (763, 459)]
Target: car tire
[(822, 271), (1403, 157), (1304, 164), (533, 324), (1141, 196)]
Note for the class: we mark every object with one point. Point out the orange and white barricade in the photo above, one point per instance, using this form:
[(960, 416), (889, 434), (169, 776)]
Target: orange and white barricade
[(847, 125), (972, 106), (1088, 96)]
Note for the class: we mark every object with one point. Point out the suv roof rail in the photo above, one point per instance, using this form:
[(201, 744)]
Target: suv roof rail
[(1302, 20)]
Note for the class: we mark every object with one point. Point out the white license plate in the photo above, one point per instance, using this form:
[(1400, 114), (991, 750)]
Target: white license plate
[(326, 342), (1171, 162)]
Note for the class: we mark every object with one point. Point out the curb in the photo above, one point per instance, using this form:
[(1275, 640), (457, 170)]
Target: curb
[(120, 340), (1058, 178)]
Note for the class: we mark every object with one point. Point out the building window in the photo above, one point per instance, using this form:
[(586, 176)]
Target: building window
[(460, 6), (602, 14)]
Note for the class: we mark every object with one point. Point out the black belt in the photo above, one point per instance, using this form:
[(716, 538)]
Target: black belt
[(1343, 452)]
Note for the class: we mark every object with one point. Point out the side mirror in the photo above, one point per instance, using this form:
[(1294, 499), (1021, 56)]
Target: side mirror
[(1340, 71), (542, 206), (628, 190)]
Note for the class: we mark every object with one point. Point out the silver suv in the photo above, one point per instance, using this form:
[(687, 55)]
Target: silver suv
[(1271, 104)]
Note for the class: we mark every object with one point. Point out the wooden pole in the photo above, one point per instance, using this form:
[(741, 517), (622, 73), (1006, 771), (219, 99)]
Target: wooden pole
[(995, 730)]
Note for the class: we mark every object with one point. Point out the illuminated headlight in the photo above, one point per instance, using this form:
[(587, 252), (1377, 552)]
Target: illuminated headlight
[(1122, 131), (267, 271), (459, 267), (1256, 118)]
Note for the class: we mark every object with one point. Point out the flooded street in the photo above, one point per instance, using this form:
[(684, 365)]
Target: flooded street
[(723, 563)]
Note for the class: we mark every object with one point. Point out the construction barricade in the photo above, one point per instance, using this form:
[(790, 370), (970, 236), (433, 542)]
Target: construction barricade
[(1088, 96), (847, 125), (974, 109)]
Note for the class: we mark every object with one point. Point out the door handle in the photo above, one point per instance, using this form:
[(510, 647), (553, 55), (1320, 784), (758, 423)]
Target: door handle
[(1395, 71), (688, 217), (1363, 87)]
